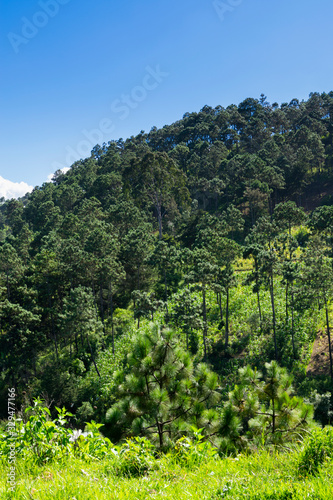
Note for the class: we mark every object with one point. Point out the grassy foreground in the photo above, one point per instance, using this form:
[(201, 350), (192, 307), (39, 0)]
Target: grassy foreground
[(260, 476)]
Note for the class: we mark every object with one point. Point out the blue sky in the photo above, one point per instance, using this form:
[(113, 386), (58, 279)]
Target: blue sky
[(78, 72)]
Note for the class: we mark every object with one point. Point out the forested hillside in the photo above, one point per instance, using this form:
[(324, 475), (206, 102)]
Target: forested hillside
[(217, 228)]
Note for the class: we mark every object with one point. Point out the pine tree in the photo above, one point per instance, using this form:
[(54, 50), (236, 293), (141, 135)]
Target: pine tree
[(264, 409), (163, 394)]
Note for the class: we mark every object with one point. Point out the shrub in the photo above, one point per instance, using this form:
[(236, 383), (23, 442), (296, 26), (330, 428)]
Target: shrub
[(323, 406), (135, 457), (85, 412), (192, 452), (42, 439), (317, 449), (90, 444)]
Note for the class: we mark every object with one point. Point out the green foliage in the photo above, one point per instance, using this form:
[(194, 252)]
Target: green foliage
[(145, 305), (162, 393), (317, 449), (90, 445), (186, 314), (135, 457), (262, 410), (192, 452), (42, 440), (167, 216), (85, 412)]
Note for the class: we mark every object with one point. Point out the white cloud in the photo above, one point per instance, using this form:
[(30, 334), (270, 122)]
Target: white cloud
[(9, 189), (50, 176)]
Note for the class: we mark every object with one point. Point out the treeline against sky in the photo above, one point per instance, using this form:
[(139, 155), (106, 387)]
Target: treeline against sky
[(163, 213)]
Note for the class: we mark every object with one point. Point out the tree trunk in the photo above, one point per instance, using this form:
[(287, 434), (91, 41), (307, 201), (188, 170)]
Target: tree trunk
[(92, 357), (160, 433), (95, 301), (159, 218), (292, 323), (204, 318), (273, 312), (54, 334), (259, 307), (111, 313), (101, 302), (258, 290), (226, 343), (166, 291), (55, 337), (329, 339), (220, 306)]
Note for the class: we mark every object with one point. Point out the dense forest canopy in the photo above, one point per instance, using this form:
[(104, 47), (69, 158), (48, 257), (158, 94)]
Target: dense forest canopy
[(169, 226)]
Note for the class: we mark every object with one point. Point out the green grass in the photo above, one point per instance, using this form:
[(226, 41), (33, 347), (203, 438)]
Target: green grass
[(261, 476)]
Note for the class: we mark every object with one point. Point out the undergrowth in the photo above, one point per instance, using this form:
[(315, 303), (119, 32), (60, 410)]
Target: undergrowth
[(53, 461)]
